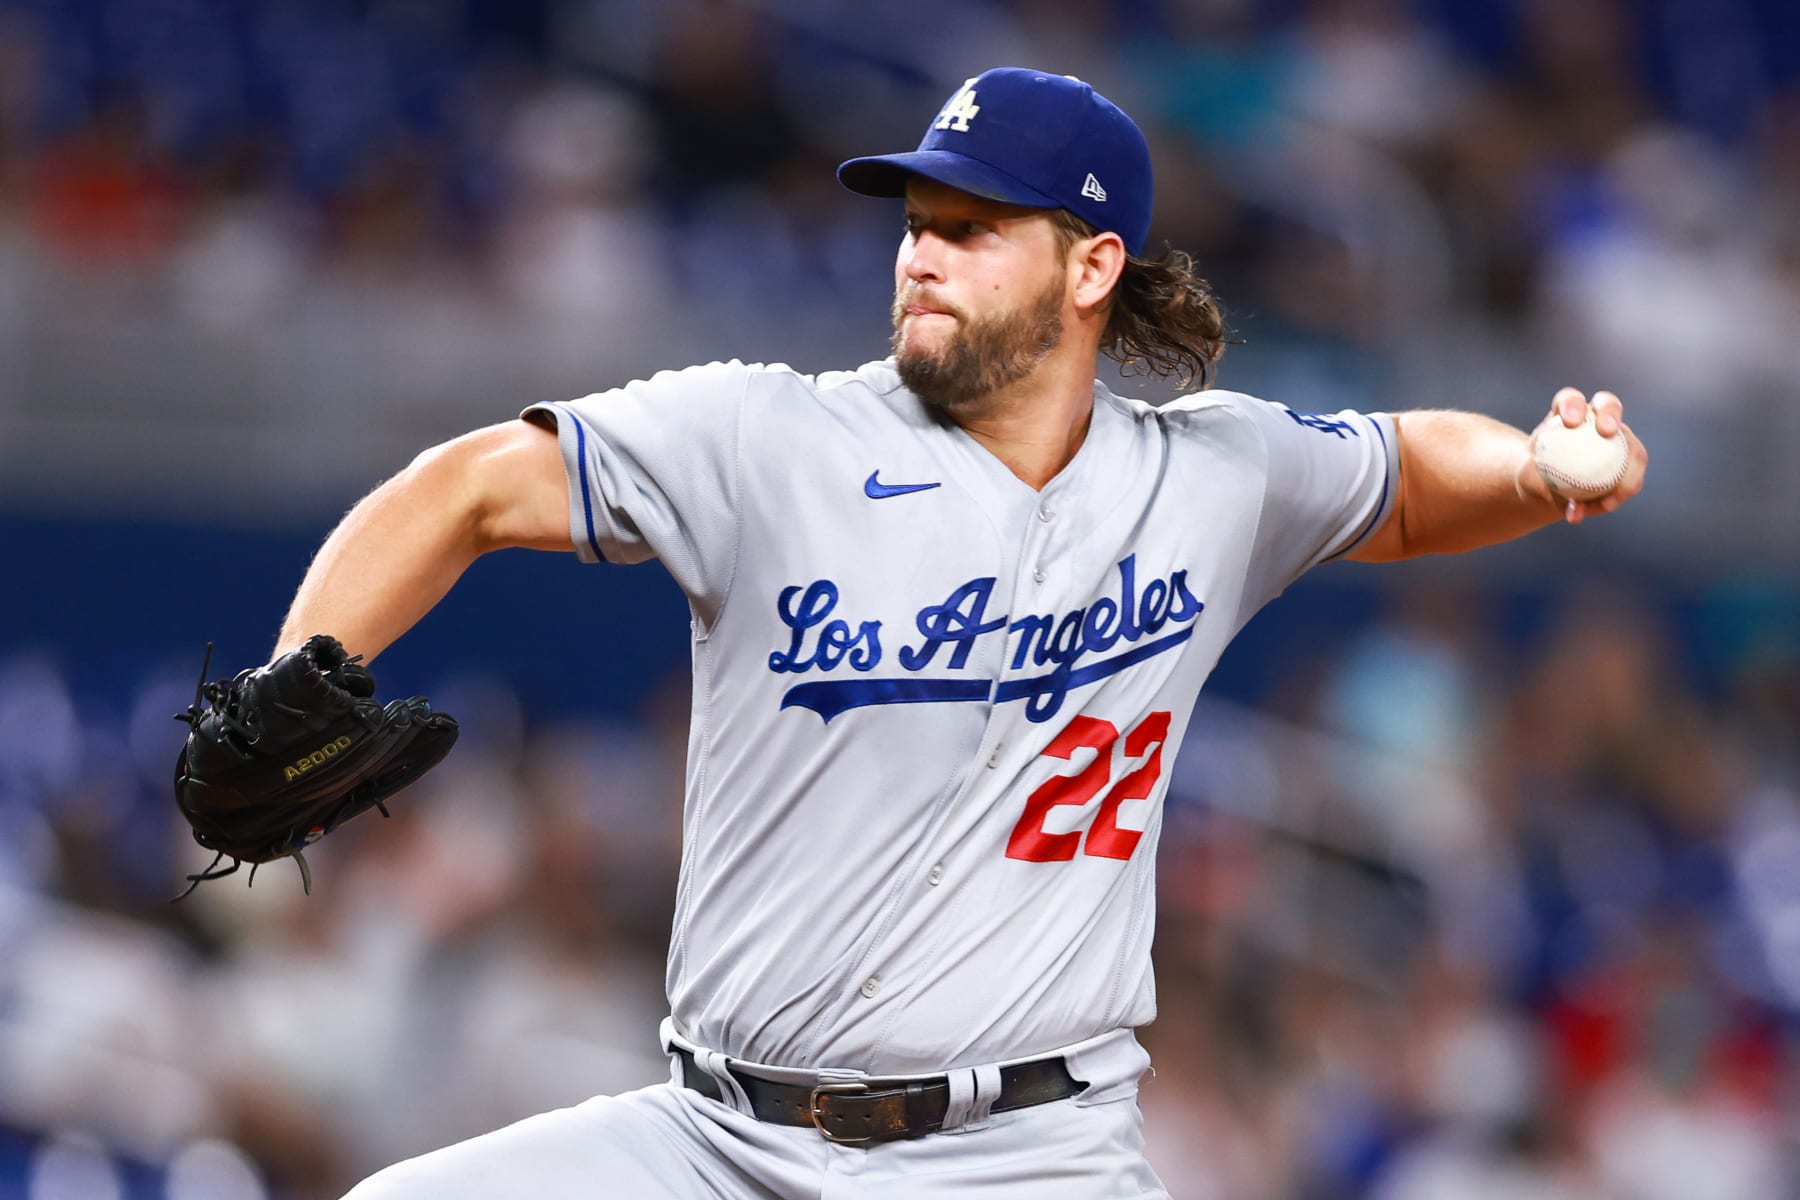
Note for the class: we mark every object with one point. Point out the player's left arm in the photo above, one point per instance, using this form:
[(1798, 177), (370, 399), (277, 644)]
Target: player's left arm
[(1468, 481)]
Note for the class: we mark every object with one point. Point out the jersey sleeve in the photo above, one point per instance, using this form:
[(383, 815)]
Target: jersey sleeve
[(1331, 482), (653, 471)]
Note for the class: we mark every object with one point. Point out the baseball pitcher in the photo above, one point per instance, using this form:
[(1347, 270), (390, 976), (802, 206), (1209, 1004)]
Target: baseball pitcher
[(951, 611)]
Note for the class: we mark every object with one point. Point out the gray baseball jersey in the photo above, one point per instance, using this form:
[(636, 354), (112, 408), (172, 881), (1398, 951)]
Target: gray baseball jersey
[(933, 707)]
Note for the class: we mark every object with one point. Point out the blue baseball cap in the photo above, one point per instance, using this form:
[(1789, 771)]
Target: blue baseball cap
[(1032, 138)]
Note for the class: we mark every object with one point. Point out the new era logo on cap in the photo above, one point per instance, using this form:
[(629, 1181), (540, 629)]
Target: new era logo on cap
[(1031, 138)]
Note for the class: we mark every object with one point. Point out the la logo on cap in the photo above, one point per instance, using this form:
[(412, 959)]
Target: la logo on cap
[(960, 110)]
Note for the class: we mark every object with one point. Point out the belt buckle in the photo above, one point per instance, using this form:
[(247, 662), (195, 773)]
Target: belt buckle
[(848, 1088)]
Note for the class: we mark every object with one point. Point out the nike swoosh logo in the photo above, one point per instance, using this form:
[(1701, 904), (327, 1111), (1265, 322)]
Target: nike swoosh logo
[(874, 489)]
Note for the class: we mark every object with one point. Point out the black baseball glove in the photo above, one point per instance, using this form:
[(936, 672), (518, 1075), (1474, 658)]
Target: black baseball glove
[(288, 752)]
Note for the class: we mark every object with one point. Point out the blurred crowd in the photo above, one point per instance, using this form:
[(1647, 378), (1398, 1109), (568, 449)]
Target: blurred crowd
[(225, 224), (494, 949), (1467, 908), (1524, 928)]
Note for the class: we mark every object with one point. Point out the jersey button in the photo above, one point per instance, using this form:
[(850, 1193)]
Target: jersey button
[(1045, 513), (993, 760), (871, 986), (1038, 574), (937, 875)]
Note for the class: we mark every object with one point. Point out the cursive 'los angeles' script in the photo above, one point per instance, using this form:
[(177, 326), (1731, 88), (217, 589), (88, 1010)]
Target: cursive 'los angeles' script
[(1139, 622)]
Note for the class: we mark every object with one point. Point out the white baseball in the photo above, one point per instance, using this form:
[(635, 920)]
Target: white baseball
[(1579, 463)]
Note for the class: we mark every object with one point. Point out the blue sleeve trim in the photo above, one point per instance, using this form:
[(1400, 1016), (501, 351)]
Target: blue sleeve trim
[(587, 495), (1381, 504)]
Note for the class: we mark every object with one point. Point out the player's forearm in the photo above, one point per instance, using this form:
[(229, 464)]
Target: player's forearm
[(392, 558), (1465, 482)]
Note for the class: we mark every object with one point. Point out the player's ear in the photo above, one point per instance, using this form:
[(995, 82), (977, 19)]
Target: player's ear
[(1095, 263)]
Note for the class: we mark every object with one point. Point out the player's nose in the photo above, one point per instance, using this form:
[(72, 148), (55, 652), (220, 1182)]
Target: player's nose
[(921, 257)]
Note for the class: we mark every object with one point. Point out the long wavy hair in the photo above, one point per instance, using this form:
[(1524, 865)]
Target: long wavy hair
[(1165, 319)]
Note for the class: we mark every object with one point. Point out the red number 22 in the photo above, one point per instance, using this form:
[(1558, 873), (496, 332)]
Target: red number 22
[(1105, 839)]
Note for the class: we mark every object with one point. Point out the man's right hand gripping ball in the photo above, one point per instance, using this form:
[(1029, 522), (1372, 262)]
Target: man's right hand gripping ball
[(287, 752)]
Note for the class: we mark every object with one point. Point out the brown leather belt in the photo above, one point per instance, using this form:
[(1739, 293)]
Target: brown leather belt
[(878, 1110)]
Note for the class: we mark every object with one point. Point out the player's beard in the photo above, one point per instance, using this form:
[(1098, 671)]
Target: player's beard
[(983, 354)]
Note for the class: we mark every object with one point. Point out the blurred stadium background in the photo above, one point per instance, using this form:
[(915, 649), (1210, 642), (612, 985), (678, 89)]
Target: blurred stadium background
[(1481, 876)]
